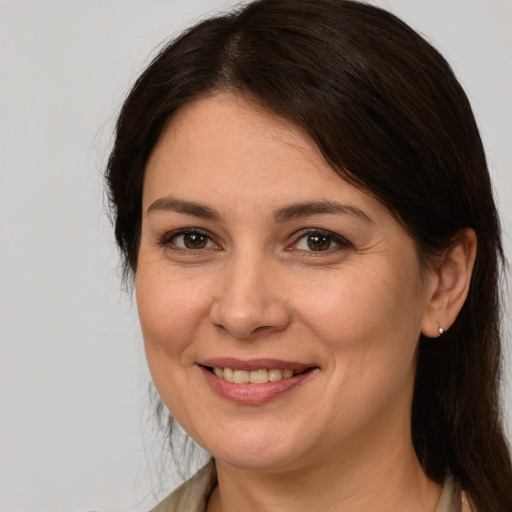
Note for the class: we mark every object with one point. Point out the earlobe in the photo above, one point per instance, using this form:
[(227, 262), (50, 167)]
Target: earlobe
[(451, 283)]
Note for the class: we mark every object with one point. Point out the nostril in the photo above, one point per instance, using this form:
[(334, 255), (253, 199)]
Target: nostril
[(245, 311)]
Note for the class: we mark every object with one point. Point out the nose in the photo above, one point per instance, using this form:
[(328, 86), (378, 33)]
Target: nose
[(251, 299)]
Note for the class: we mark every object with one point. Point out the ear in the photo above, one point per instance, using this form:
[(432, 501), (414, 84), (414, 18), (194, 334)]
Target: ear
[(450, 284)]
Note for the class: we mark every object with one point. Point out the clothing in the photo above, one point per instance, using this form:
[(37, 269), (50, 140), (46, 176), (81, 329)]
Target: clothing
[(193, 495)]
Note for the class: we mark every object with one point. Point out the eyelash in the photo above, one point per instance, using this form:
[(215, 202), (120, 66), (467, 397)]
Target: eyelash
[(168, 238), (340, 241)]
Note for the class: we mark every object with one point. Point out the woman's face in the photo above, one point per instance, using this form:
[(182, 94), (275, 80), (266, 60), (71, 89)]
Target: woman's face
[(255, 255)]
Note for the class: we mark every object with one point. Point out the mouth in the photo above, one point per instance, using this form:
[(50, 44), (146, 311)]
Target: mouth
[(254, 382), (259, 376)]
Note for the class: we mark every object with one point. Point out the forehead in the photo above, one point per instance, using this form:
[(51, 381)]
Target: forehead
[(227, 143), (227, 127)]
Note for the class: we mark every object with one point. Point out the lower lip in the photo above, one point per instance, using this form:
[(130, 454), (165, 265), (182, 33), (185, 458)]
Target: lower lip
[(253, 394)]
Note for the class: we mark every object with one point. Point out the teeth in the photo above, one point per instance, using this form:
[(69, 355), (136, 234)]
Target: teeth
[(241, 376), (258, 377), (275, 375), (255, 377)]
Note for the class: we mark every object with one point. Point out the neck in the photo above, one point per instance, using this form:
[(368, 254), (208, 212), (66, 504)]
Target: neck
[(384, 475)]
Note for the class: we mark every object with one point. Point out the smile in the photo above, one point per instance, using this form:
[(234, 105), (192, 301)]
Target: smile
[(253, 385), (260, 376)]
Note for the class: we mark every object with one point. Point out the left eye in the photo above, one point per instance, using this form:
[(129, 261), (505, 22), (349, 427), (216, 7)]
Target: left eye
[(319, 242), (192, 240)]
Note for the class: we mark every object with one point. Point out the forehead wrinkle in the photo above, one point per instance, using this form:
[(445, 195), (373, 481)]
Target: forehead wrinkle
[(319, 207)]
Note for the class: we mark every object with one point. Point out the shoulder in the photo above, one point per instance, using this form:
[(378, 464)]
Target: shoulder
[(191, 496)]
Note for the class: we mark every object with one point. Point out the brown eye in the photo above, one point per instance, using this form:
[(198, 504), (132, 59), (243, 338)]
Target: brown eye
[(319, 242), (192, 240), (195, 241)]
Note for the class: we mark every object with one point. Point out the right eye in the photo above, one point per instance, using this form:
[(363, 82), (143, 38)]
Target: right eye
[(190, 240)]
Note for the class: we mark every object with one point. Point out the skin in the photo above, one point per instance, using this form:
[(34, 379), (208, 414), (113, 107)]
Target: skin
[(340, 440)]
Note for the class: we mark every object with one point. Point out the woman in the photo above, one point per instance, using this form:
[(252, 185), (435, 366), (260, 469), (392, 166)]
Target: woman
[(301, 194)]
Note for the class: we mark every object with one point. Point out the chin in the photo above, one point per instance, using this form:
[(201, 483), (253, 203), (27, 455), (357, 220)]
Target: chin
[(256, 460), (262, 451)]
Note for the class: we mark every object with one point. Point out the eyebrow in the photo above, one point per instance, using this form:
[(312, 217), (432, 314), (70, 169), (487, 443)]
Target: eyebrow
[(167, 204), (285, 214), (298, 210)]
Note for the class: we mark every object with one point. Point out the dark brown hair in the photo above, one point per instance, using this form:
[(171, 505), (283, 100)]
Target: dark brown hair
[(388, 114)]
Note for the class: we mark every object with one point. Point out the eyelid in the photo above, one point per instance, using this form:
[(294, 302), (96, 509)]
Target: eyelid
[(339, 240), (167, 238)]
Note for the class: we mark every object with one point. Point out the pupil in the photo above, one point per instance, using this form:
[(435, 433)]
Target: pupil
[(194, 241), (319, 242)]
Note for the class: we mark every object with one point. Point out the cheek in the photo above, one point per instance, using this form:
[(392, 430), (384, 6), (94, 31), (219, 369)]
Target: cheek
[(365, 308), (170, 311), (369, 329)]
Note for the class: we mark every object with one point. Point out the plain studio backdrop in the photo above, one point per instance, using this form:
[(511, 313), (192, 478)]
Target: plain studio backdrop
[(75, 429)]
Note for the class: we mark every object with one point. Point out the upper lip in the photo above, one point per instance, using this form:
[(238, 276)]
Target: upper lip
[(255, 364)]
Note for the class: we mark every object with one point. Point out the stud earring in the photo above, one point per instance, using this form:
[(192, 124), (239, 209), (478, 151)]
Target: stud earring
[(440, 330)]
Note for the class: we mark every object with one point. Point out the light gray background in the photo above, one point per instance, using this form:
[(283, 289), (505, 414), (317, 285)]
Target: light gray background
[(73, 384)]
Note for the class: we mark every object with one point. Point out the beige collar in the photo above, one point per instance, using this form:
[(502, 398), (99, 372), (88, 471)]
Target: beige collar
[(450, 498)]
